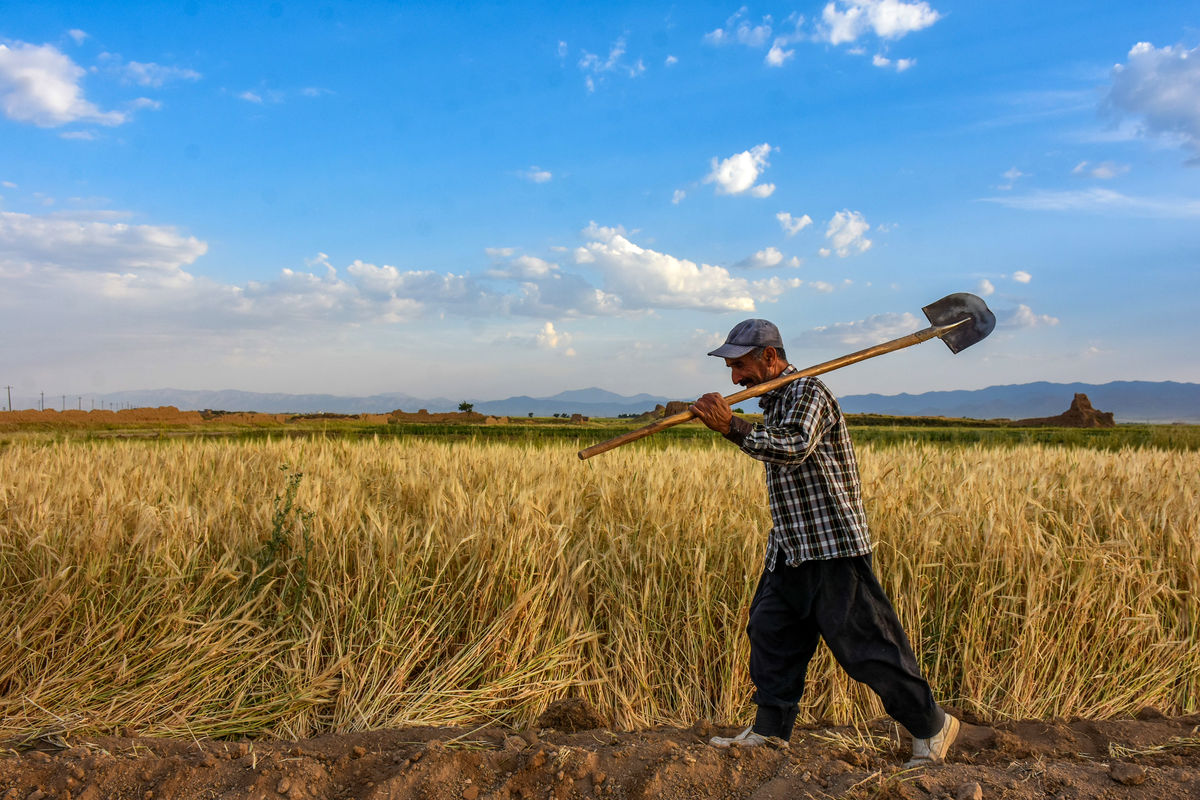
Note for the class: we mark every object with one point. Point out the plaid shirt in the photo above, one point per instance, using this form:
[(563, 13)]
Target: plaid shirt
[(812, 476)]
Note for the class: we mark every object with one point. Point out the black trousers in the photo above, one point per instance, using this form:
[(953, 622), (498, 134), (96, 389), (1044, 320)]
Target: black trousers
[(841, 601)]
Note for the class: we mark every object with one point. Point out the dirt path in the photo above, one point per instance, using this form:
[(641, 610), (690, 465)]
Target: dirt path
[(1150, 757)]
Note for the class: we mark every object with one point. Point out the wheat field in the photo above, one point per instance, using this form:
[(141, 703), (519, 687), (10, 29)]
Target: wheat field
[(225, 588)]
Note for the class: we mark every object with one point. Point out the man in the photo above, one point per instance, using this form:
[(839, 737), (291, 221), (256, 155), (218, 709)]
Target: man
[(817, 580)]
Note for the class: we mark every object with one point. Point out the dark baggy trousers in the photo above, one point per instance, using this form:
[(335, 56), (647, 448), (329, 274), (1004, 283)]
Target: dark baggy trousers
[(841, 601)]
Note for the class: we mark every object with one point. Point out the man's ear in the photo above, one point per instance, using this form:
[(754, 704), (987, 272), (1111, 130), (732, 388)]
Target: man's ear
[(769, 356)]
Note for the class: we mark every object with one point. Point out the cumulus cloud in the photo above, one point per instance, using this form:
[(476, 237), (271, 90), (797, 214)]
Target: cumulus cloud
[(81, 243), (1160, 87), (536, 175), (864, 332), (40, 85), (250, 97), (78, 35), (1021, 276), (763, 259), (1024, 317), (847, 234), (678, 196), (671, 61), (644, 278), (525, 267), (1105, 170), (985, 288), (793, 225), (548, 338), (846, 21), (738, 173)]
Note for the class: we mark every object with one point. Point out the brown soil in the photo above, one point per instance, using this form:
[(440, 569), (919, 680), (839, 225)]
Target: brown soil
[(1149, 757)]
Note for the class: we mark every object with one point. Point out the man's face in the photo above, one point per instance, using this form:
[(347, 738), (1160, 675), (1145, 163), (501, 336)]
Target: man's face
[(747, 370)]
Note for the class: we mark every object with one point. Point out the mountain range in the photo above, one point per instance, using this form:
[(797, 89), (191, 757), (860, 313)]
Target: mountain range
[(1130, 401)]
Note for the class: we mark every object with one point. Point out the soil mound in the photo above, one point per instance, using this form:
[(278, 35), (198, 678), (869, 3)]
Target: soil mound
[(571, 715), (1081, 414)]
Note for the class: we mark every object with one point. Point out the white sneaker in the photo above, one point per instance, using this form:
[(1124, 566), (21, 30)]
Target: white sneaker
[(748, 738), (933, 750)]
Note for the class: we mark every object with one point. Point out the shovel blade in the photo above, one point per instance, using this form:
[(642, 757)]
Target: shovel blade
[(959, 306)]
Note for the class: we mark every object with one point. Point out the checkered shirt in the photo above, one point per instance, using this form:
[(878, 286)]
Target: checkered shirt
[(812, 475)]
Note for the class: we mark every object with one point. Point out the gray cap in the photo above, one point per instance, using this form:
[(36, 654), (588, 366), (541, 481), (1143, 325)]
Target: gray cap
[(748, 335)]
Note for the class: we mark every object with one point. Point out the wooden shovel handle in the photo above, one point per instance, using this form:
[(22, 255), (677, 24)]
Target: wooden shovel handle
[(762, 388)]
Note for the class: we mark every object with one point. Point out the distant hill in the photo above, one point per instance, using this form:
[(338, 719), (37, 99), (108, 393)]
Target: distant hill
[(1130, 401)]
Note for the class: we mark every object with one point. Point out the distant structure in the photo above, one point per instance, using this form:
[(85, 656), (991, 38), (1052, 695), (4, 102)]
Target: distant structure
[(1079, 415)]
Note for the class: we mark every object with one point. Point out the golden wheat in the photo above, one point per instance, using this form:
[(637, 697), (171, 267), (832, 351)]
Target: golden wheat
[(169, 588)]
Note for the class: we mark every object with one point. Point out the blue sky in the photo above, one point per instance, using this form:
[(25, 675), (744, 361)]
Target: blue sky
[(489, 200)]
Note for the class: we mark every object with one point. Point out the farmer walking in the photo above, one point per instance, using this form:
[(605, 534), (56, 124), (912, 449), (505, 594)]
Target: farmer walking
[(817, 580)]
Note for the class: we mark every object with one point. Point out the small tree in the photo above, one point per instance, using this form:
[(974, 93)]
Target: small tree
[(465, 406), (531, 415)]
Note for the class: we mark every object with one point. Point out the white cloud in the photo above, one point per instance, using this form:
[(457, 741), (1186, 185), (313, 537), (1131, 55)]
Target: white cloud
[(739, 30), (550, 339), (847, 233), (149, 73), (1161, 87), (644, 278), (250, 97), (78, 35), (793, 225), (864, 332), (777, 56), (795, 261), (499, 252), (678, 196), (1103, 201), (671, 61), (595, 68), (525, 268), (900, 64), (738, 173), (1021, 276), (85, 136), (824, 252), (536, 175), (40, 85), (1105, 170), (821, 286), (763, 259), (79, 243), (847, 20), (1010, 178), (562, 49), (1024, 317), (986, 289)]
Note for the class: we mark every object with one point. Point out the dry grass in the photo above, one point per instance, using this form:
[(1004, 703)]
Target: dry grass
[(169, 588)]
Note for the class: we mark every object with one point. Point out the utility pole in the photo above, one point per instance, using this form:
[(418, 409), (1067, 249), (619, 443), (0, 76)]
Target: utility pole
[(64, 403), (80, 402), (42, 402), (9, 397)]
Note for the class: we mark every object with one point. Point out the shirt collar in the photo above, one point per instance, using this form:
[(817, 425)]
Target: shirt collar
[(767, 400)]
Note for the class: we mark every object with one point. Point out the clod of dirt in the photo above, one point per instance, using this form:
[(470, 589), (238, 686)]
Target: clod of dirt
[(571, 715), (1127, 774), (971, 790), (1149, 713)]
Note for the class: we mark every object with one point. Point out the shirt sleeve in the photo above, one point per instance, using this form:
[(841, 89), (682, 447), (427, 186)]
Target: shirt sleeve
[(806, 418)]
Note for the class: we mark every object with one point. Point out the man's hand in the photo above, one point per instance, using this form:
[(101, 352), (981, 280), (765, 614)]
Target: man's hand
[(713, 411)]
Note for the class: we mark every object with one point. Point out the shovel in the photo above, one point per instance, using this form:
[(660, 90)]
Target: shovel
[(960, 320)]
